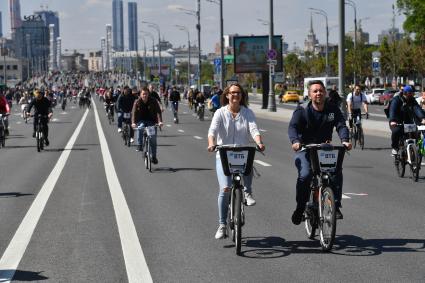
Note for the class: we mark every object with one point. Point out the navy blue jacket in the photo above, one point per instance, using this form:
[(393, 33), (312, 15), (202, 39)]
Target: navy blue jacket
[(125, 103), (409, 113), (310, 126)]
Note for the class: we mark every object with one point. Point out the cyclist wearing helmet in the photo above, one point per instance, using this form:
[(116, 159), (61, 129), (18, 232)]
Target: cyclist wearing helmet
[(403, 109)]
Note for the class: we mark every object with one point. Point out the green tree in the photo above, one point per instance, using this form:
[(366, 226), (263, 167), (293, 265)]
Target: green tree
[(414, 10), (207, 73)]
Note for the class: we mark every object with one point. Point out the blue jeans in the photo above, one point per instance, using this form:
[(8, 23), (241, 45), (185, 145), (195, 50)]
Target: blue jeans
[(305, 174), (224, 194), (152, 140)]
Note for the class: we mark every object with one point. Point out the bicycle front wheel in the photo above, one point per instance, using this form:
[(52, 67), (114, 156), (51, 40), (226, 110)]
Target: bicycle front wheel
[(237, 221), (327, 226)]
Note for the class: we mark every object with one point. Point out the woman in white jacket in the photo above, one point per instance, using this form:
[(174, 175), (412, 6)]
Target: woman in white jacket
[(233, 123)]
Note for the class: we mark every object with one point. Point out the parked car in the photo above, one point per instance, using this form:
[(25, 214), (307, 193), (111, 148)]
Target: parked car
[(387, 96), (291, 96), (373, 96)]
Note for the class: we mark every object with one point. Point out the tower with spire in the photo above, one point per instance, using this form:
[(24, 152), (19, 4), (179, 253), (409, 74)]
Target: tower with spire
[(311, 42)]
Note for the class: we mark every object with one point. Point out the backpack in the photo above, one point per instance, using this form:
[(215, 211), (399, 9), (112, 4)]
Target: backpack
[(387, 108)]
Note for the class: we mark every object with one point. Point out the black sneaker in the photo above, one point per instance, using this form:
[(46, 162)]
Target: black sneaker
[(46, 141), (297, 216), (338, 214), (154, 160), (6, 132), (33, 134)]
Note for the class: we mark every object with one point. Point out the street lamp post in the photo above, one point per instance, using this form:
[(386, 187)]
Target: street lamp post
[(323, 13), (155, 26), (144, 58), (188, 52), (353, 4), (197, 14), (223, 66), (341, 53), (153, 44), (272, 99)]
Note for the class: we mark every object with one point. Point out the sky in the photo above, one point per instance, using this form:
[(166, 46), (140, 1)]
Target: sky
[(82, 22)]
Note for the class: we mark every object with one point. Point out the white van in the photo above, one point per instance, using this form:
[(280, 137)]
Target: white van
[(329, 82)]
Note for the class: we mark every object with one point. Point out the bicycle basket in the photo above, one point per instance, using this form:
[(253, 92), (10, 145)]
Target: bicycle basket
[(410, 128), (150, 130), (237, 160), (326, 160)]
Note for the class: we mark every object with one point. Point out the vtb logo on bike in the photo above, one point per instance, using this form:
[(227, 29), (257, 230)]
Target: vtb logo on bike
[(328, 155), (237, 155)]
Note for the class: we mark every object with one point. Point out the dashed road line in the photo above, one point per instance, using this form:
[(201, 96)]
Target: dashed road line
[(168, 125), (181, 131), (198, 137), (345, 196), (262, 163)]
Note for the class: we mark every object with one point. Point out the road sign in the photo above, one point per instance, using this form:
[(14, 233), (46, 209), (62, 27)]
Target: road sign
[(272, 62), (271, 54), (278, 77), (217, 62)]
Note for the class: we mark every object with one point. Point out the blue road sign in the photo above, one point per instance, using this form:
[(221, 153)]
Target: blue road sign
[(217, 62)]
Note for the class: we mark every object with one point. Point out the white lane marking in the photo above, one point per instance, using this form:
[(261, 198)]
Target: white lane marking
[(135, 263), (168, 125), (13, 254), (262, 163), (345, 196), (55, 119), (198, 137), (64, 113), (19, 122), (262, 130), (184, 112), (354, 194), (181, 131)]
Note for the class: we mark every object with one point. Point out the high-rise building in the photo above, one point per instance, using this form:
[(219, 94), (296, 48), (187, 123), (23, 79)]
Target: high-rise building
[(117, 25), (32, 43), (132, 26), (15, 15), (311, 42), (1, 26), (392, 34), (50, 18)]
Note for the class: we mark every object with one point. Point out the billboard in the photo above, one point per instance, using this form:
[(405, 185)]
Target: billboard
[(251, 53)]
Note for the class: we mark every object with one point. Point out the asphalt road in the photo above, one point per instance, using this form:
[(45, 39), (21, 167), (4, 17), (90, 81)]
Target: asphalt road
[(84, 234)]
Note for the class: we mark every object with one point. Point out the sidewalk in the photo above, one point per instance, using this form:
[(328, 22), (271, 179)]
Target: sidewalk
[(371, 127)]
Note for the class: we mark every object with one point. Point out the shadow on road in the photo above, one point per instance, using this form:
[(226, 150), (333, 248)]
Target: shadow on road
[(16, 137), (377, 148), (166, 145), (22, 275), (346, 245), (174, 170), (13, 194), (172, 136), (63, 149), (20, 146)]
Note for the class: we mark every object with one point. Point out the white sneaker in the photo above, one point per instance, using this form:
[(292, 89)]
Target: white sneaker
[(394, 151), (119, 130), (221, 232), (250, 201), (131, 140)]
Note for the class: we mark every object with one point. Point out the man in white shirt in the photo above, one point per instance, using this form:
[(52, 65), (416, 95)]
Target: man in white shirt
[(354, 104)]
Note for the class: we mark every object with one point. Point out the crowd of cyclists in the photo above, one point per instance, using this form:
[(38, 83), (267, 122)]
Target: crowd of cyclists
[(143, 106)]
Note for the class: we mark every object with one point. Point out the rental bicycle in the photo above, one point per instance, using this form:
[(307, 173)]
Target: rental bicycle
[(39, 131), (126, 129), (148, 133), (175, 108), (409, 152), (3, 130), (110, 113), (320, 213), (356, 132), (236, 161)]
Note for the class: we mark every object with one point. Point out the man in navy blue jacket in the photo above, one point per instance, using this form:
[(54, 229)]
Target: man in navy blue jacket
[(404, 109), (314, 123)]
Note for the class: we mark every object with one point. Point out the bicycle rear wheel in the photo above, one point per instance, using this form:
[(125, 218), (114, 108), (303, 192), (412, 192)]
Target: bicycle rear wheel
[(237, 221), (327, 225), (355, 136), (415, 163), (400, 162), (38, 138), (360, 135), (2, 137), (310, 216)]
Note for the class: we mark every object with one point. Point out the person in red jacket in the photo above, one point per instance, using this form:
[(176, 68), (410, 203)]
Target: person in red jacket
[(4, 110)]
